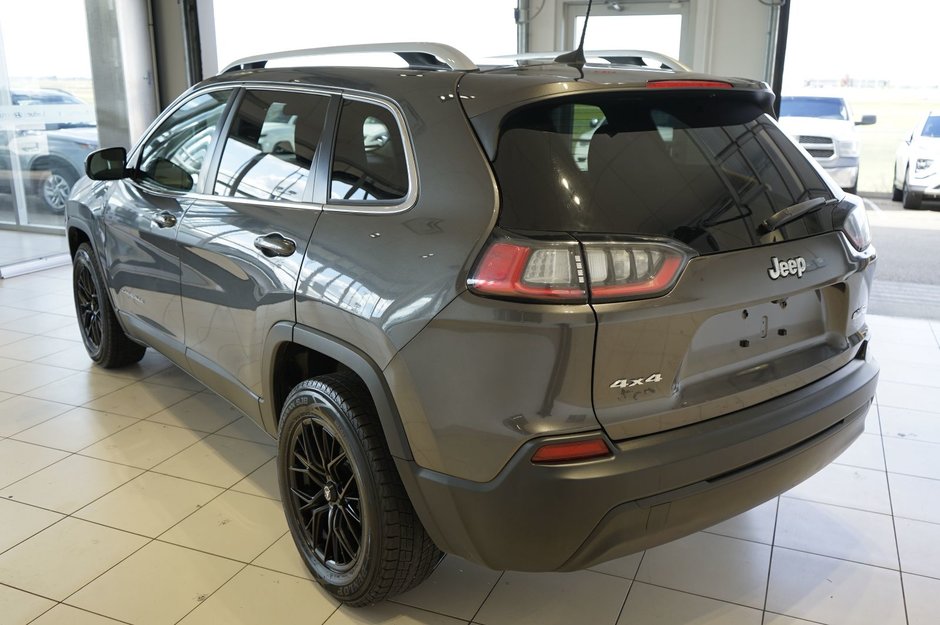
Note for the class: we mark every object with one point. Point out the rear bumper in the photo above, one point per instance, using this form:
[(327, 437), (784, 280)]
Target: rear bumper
[(654, 489)]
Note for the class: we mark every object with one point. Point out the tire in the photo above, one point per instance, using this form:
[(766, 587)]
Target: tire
[(55, 185), (104, 339), (910, 199), (361, 549), (896, 194)]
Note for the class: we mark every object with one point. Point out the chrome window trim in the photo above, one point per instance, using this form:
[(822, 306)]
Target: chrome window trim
[(379, 207)]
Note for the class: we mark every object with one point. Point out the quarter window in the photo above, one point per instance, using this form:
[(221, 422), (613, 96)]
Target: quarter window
[(173, 156), (369, 162), (271, 145)]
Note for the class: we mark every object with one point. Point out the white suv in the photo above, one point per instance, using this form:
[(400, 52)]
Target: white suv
[(824, 127), (917, 164)]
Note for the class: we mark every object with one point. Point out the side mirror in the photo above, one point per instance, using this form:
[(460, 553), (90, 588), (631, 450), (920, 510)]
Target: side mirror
[(867, 120), (106, 164)]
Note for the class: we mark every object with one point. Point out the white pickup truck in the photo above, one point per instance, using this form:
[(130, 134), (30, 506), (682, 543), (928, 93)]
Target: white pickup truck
[(824, 126)]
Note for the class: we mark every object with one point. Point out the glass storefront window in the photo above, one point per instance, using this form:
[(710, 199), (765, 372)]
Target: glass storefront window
[(47, 113)]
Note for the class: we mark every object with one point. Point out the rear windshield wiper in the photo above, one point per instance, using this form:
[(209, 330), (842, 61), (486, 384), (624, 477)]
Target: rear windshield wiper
[(792, 213)]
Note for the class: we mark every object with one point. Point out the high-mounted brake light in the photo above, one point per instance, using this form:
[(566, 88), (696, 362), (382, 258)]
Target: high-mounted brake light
[(573, 451), (555, 271), (688, 84)]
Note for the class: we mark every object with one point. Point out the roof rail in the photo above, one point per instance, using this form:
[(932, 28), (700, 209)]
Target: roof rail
[(631, 58), (415, 53)]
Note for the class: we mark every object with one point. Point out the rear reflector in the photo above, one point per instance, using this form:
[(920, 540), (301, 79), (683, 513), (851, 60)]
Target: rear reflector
[(688, 84), (571, 451)]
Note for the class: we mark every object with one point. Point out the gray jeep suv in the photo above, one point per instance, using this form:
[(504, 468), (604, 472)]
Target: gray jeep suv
[(467, 340)]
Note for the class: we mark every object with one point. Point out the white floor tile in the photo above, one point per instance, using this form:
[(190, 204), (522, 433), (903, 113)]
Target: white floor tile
[(38, 323), (284, 557), (554, 599), (70, 484), (143, 444), (857, 535), (835, 592), (923, 599), (912, 457), (262, 482), (20, 608), (915, 497), (713, 566), (919, 546), (217, 460), (33, 347), (19, 412), (653, 605), (909, 396), (852, 487), (67, 615), (914, 425), (757, 524), (246, 429), (139, 400), (76, 429), (232, 525), (176, 580), (865, 452), (456, 588), (257, 596), (80, 387), (389, 614), (205, 412), (66, 556), (177, 378), (779, 619), (31, 375), (625, 567), (149, 504), (17, 460), (20, 521)]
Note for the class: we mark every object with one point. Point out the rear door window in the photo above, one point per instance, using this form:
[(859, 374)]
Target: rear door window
[(271, 144), (702, 172), (369, 161)]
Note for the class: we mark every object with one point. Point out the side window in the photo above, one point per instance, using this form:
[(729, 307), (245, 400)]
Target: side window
[(173, 155), (369, 161), (271, 144)]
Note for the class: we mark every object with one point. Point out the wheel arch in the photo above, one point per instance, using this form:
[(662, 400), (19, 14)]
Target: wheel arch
[(294, 353)]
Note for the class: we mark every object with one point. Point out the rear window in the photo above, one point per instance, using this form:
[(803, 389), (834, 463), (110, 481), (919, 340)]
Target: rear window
[(702, 171)]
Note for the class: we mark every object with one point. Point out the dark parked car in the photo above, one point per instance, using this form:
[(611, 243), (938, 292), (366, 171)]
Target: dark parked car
[(53, 155), (464, 338)]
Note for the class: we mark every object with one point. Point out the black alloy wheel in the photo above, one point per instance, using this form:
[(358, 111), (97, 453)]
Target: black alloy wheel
[(88, 307), (102, 334), (324, 492), (346, 507)]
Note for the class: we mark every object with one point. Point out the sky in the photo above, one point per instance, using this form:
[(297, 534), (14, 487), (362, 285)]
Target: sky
[(876, 39)]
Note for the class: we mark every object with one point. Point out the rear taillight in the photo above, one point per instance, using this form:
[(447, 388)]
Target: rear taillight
[(555, 271)]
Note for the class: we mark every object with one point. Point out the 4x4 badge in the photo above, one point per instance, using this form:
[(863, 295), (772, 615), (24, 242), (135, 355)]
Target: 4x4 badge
[(783, 268), (629, 382)]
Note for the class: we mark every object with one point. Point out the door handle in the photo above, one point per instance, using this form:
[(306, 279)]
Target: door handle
[(165, 219), (275, 245)]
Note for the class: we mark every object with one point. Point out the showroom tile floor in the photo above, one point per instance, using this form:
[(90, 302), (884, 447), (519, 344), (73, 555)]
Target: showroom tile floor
[(136, 496)]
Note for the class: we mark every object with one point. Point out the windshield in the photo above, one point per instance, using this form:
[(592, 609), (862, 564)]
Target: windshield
[(824, 108), (695, 170), (932, 127)]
